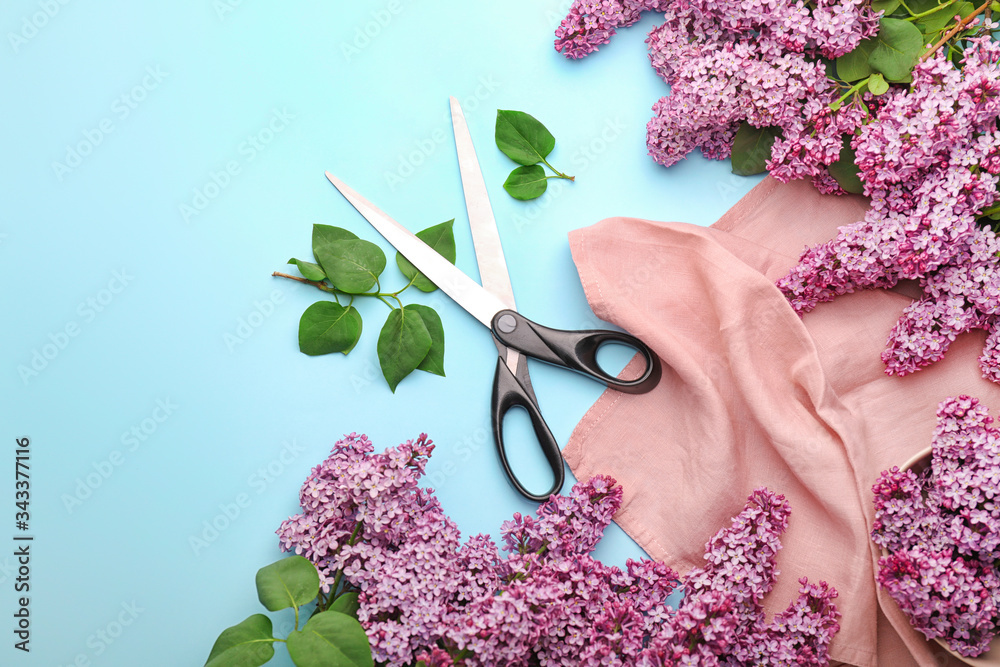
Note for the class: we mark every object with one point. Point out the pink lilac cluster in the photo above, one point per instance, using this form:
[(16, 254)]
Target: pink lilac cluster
[(733, 62), (929, 161), (357, 505), (941, 530), (541, 598)]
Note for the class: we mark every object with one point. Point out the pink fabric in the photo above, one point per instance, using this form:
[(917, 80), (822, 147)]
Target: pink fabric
[(752, 395)]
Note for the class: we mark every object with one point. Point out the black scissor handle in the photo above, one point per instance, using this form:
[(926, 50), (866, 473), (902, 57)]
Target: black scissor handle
[(576, 350), (509, 392)]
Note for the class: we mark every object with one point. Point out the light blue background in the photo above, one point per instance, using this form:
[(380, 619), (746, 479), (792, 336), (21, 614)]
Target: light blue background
[(194, 319)]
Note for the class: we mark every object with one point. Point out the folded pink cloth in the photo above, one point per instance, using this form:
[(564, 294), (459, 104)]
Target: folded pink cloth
[(752, 395)]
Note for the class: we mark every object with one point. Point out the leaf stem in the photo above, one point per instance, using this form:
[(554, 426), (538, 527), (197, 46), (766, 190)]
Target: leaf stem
[(334, 291), (914, 17), (559, 174), (380, 296), (951, 33), (340, 573), (855, 88), (405, 287), (315, 283)]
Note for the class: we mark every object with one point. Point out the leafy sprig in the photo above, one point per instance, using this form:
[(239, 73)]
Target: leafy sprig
[(331, 637), (910, 31), (347, 267), (527, 142)]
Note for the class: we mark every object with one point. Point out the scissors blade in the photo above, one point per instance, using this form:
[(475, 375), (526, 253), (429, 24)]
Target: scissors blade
[(479, 302), (485, 237)]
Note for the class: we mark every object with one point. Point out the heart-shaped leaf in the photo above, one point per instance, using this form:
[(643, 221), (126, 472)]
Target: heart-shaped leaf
[(308, 270), (526, 183), (898, 45), (327, 327), (522, 138), (434, 361), (330, 639), (440, 237), (402, 345), (853, 66), (323, 234), (752, 148), (352, 265), (289, 582), (347, 603), (247, 644)]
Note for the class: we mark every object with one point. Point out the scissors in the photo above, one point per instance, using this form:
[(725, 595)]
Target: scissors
[(492, 303)]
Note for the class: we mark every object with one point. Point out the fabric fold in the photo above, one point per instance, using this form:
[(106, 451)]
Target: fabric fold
[(753, 395)]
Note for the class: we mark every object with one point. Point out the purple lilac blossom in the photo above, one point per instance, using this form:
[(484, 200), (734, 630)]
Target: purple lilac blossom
[(941, 531), (426, 596), (929, 162), (733, 62), (929, 154)]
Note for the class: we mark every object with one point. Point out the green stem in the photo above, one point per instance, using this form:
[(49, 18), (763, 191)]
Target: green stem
[(951, 33), (340, 573), (914, 17), (296, 616), (908, 10), (334, 291), (559, 174), (405, 287), (855, 88), (393, 296)]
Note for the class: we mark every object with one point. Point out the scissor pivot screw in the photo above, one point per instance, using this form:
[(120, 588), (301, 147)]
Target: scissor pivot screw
[(506, 323)]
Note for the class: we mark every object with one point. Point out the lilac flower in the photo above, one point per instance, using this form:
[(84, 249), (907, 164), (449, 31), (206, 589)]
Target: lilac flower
[(941, 529), (591, 23), (928, 154), (426, 596), (929, 162), (730, 62)]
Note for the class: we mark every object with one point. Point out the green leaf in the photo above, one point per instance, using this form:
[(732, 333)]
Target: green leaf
[(877, 85), (442, 239), (844, 171), (353, 265), (937, 21), (434, 361), (752, 148), (887, 6), (328, 327), (247, 644), (402, 345), (323, 234), (347, 603), (854, 66), (330, 639), (898, 45), (965, 9), (522, 138), (289, 582), (308, 270), (526, 183)]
